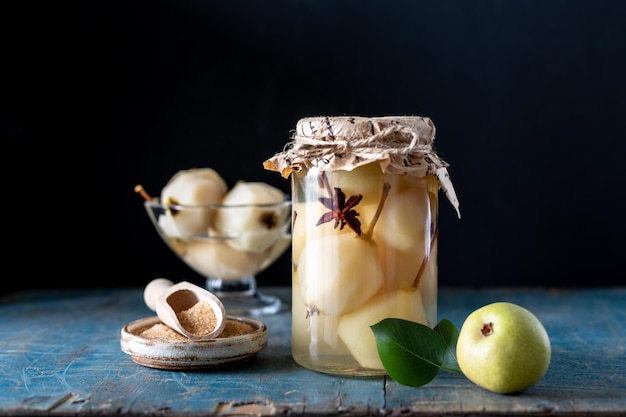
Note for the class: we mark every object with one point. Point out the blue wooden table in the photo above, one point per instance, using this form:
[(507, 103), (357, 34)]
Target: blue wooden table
[(60, 355)]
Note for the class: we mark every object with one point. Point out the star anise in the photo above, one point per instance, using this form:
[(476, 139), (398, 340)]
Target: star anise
[(341, 211)]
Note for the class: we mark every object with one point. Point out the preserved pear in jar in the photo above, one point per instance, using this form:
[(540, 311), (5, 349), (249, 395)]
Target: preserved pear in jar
[(364, 234)]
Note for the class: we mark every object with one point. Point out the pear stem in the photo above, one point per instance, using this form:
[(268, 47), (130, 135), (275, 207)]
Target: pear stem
[(383, 197), (433, 240), (140, 190)]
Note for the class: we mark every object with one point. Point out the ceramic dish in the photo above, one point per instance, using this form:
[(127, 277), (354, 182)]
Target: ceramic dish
[(181, 355)]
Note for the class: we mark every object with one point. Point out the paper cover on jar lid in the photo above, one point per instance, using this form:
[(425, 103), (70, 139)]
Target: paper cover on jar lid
[(401, 144)]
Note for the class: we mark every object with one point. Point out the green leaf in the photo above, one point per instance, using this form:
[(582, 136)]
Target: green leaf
[(413, 353), (450, 334)]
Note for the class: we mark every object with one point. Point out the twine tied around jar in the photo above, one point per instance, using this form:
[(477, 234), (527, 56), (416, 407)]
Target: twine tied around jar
[(401, 145)]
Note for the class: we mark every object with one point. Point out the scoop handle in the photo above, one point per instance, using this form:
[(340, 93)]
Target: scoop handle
[(153, 290)]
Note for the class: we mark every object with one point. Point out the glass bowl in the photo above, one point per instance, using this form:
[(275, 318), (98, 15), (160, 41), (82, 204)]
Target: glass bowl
[(228, 245)]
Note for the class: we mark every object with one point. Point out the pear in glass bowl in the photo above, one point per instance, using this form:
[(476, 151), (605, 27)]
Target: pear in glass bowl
[(230, 242)]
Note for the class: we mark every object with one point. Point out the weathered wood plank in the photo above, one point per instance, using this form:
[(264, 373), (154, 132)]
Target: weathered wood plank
[(60, 353)]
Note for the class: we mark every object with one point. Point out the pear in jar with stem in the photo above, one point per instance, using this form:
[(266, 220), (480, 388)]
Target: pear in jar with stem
[(406, 232), (338, 271), (403, 229), (308, 210)]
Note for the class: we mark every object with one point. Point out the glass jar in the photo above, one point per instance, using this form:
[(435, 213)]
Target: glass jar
[(364, 235)]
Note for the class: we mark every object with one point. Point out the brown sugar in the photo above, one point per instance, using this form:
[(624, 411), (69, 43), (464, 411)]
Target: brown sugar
[(199, 319), (236, 328), (161, 331)]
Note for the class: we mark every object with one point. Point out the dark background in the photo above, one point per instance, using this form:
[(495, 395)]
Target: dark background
[(97, 96)]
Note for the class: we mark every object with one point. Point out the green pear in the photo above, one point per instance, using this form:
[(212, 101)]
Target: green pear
[(503, 348)]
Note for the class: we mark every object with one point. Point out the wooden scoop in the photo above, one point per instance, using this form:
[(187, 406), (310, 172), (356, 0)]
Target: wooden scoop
[(169, 300)]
